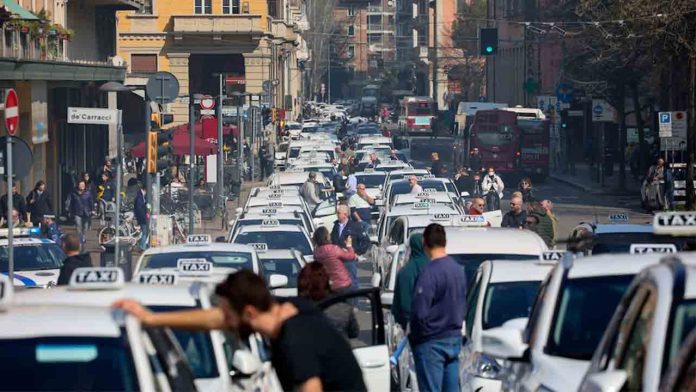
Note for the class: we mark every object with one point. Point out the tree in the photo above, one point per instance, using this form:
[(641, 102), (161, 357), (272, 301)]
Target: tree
[(320, 14)]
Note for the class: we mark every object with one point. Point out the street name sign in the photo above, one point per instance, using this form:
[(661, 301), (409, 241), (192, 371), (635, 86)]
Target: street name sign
[(92, 116)]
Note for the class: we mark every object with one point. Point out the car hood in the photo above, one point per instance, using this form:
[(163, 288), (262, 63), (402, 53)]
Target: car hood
[(560, 374), (39, 278)]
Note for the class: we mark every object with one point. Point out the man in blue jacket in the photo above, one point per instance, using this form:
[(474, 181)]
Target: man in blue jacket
[(437, 314)]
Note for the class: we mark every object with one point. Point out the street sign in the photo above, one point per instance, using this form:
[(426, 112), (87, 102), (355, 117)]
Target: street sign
[(162, 87), (207, 103), (602, 111), (92, 116), (665, 124), (679, 124), (564, 92), (11, 112)]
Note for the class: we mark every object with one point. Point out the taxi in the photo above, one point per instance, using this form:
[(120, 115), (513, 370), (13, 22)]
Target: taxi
[(388, 217), (288, 263), (293, 178), (284, 218), (225, 258), (275, 200), (366, 141), (428, 182), (552, 348), (618, 235), (373, 181), (305, 166), (434, 198), (404, 173), (37, 261), (651, 322), (502, 290), (393, 165), (85, 347), (275, 236)]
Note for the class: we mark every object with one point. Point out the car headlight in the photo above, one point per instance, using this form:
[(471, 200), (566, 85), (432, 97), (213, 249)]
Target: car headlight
[(486, 367)]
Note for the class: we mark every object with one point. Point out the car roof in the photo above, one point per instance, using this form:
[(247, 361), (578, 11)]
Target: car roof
[(21, 322), (493, 240), (407, 209), (613, 228), (278, 215), (291, 200), (518, 270), (214, 247), (285, 208), (612, 264), (409, 198), (276, 254), (261, 228), (373, 173), (293, 178), (148, 295), (419, 221), (409, 171)]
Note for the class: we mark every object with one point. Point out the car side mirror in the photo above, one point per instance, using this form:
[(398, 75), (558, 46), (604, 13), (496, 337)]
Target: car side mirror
[(391, 249), (506, 341), (387, 299), (276, 281), (610, 380), (376, 279), (245, 363), (379, 202), (464, 194)]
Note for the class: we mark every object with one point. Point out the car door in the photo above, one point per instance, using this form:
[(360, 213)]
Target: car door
[(370, 348)]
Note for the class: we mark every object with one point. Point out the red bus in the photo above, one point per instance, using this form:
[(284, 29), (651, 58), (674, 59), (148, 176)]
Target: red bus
[(417, 115), (511, 143)]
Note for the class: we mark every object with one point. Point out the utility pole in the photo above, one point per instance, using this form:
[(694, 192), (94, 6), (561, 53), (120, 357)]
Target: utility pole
[(192, 160), (220, 158), (435, 55), (328, 70)]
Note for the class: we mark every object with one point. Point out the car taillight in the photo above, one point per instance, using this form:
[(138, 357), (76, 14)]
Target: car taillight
[(410, 121), (517, 153)]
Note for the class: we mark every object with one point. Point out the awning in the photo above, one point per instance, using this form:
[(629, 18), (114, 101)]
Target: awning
[(17, 10), (180, 144)]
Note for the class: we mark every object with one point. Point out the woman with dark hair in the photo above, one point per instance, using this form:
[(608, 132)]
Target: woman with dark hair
[(313, 284), (39, 203), (333, 257), (527, 190)]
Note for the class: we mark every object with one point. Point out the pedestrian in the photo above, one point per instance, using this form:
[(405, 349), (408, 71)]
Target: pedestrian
[(270, 159), (476, 161), (17, 220), (313, 283), (74, 260), (544, 225), (463, 181), (339, 180), (492, 186), (343, 229), (90, 185), (437, 314), (406, 280), (103, 168), (656, 185), (18, 202), (361, 207), (415, 188), (307, 352), (81, 207), (547, 205), (669, 189), (436, 166), (106, 190), (39, 203), (374, 161), (351, 185), (526, 188), (142, 216), (516, 216), (310, 192), (478, 206), (50, 229)]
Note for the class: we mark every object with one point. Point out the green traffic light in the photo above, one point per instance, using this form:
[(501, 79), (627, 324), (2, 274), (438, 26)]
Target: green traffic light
[(489, 49)]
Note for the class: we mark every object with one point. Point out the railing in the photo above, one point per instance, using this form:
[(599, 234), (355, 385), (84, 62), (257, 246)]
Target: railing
[(376, 9), (23, 45)]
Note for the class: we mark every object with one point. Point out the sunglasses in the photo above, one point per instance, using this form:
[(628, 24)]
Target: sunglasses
[(530, 222), (480, 205)]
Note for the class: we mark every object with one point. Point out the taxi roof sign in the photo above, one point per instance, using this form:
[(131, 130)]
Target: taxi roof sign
[(675, 223), (423, 194), (639, 249), (440, 217), (194, 267), (472, 221), (96, 278), (430, 201), (155, 278), (421, 205), (274, 187), (6, 292), (552, 256), (270, 222), (198, 239), (430, 190), (269, 211), (275, 196), (275, 203), (618, 218), (259, 247)]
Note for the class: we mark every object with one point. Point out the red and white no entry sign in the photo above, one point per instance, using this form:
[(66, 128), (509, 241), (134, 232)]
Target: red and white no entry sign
[(11, 112), (207, 103)]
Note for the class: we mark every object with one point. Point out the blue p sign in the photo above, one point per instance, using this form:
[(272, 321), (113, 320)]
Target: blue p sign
[(665, 118)]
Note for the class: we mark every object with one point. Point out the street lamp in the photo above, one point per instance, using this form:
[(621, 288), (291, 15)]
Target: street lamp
[(116, 87), (192, 154), (240, 98)]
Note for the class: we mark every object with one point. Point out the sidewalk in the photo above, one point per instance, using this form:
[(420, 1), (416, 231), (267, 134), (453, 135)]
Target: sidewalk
[(584, 180)]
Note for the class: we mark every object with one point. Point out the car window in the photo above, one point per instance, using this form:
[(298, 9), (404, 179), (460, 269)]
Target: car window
[(634, 339), (536, 310), (472, 300), (506, 301), (170, 354), (361, 331)]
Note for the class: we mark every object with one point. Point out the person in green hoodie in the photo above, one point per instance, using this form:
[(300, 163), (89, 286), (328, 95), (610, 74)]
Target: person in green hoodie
[(406, 280), (545, 228)]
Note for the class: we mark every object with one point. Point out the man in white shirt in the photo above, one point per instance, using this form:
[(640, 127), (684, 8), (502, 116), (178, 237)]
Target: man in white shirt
[(361, 206), (415, 188)]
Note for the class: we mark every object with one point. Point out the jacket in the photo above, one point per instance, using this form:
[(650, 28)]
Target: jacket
[(108, 191), (495, 183), (140, 208), (39, 205), (515, 221), (339, 183), (476, 163), (353, 229), (332, 258), (81, 203), (70, 264), (309, 192), (436, 168), (406, 280), (545, 228), (18, 203)]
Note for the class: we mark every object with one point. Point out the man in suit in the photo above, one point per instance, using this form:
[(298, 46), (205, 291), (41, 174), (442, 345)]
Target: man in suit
[(344, 227), (142, 216)]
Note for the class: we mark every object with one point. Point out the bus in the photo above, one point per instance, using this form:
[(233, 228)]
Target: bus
[(416, 115), (462, 122), (511, 143)]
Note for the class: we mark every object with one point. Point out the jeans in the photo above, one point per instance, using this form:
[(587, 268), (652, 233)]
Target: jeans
[(144, 236), (82, 224), (437, 364), (352, 267)]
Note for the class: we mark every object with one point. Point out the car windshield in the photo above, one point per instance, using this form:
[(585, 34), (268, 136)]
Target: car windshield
[(370, 180), (501, 136), (472, 261), (33, 257), (67, 364), (621, 242), (277, 240), (235, 260), (508, 300), (583, 312), (684, 322), (282, 266), (420, 109), (197, 346), (404, 187)]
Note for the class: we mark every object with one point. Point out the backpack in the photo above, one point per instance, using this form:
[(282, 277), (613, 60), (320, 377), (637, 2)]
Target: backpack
[(362, 243)]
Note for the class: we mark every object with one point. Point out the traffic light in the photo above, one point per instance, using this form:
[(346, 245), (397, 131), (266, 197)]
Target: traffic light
[(489, 41), (159, 144), (564, 119)]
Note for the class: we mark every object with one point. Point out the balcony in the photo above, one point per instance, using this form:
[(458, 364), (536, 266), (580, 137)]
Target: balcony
[(280, 29), (379, 10), (217, 25)]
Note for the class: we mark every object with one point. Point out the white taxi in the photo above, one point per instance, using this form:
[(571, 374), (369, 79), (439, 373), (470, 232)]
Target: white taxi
[(434, 198), (276, 200), (288, 263), (404, 173), (282, 218), (502, 290), (651, 323), (292, 178), (85, 347), (275, 236), (551, 350), (37, 261)]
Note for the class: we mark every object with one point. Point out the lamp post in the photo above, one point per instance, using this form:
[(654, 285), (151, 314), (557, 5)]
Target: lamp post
[(116, 87), (239, 103), (192, 154)]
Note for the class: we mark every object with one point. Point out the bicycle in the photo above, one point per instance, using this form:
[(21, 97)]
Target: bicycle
[(126, 229), (179, 229)]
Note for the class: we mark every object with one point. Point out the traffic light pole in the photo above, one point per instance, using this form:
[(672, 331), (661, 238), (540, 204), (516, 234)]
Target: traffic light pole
[(148, 177), (119, 175), (192, 159), (220, 159)]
